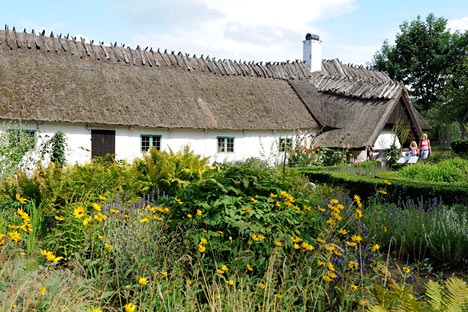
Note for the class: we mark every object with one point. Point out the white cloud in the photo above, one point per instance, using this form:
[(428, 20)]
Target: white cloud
[(261, 30), (460, 24)]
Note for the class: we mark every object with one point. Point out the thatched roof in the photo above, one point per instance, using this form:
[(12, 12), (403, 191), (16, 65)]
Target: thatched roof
[(352, 100), (54, 79), (61, 79)]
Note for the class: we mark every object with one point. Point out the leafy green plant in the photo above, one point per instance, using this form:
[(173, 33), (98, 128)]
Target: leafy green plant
[(170, 172)]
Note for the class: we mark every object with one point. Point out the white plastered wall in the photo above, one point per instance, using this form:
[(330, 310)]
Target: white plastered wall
[(260, 143)]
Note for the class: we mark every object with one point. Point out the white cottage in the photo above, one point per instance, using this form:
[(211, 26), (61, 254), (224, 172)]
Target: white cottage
[(111, 99)]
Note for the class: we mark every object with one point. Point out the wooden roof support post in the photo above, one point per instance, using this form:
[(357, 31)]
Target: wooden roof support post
[(101, 44), (26, 37), (18, 44), (7, 37), (44, 41)]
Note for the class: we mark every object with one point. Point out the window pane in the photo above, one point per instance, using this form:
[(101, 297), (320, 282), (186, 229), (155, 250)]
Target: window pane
[(221, 145), (230, 145), (156, 142), (145, 142)]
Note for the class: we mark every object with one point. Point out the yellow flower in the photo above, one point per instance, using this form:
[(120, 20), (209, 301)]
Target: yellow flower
[(353, 288), (375, 247), (343, 231), (14, 236), (386, 182), (96, 207), (224, 267), (219, 232), (382, 192), (326, 278), (102, 198), (21, 199), (331, 222), (201, 248), (249, 267), (203, 241), (87, 220), (320, 263), (329, 247), (351, 244), (273, 195), (114, 211), (42, 290), (144, 220), (220, 271), (384, 228), (296, 246), (321, 209), (218, 296), (279, 296), (278, 244), (307, 246), (129, 307), (330, 266), (126, 216), (96, 310), (143, 281), (79, 212), (100, 236), (108, 246), (296, 239), (340, 207), (189, 215), (278, 204), (262, 286), (320, 240), (357, 198), (164, 273), (307, 207), (298, 232), (158, 218), (332, 274), (178, 201), (337, 253), (334, 201), (102, 216), (58, 218), (358, 213), (254, 201), (199, 212), (356, 238), (230, 239), (406, 270), (352, 265), (230, 282)]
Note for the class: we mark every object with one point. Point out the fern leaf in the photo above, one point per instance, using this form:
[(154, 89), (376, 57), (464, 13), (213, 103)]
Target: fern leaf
[(434, 292), (457, 295)]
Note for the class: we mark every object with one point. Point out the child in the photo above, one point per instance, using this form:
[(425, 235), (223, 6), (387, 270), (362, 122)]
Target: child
[(414, 150)]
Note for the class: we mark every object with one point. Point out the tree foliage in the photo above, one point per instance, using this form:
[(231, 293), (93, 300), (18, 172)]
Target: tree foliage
[(425, 51)]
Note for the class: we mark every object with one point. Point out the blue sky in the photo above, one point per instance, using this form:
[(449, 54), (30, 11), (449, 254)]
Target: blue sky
[(261, 30)]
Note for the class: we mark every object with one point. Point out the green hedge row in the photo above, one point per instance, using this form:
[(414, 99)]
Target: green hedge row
[(460, 147), (399, 189)]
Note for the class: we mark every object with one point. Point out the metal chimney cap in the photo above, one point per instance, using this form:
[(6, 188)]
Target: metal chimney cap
[(310, 36)]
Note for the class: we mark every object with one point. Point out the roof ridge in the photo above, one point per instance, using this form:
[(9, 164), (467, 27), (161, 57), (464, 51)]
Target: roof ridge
[(54, 44)]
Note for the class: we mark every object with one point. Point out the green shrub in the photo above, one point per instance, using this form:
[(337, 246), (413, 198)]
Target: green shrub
[(170, 172), (460, 147), (449, 170)]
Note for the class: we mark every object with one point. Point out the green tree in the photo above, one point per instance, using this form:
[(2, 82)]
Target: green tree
[(453, 104), (424, 52)]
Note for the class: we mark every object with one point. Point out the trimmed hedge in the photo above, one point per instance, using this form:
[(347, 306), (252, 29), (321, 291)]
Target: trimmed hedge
[(460, 147), (399, 189)]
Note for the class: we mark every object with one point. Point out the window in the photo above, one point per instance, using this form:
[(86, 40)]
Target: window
[(225, 145), (285, 143), (17, 136), (150, 140)]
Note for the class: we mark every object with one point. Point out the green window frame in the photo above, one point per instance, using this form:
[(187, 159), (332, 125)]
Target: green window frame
[(225, 144), (149, 140), (285, 143), (14, 137)]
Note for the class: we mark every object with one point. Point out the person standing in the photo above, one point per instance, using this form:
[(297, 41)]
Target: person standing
[(425, 147), (414, 150)]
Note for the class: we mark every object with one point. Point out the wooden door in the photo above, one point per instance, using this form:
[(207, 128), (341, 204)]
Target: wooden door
[(102, 143)]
